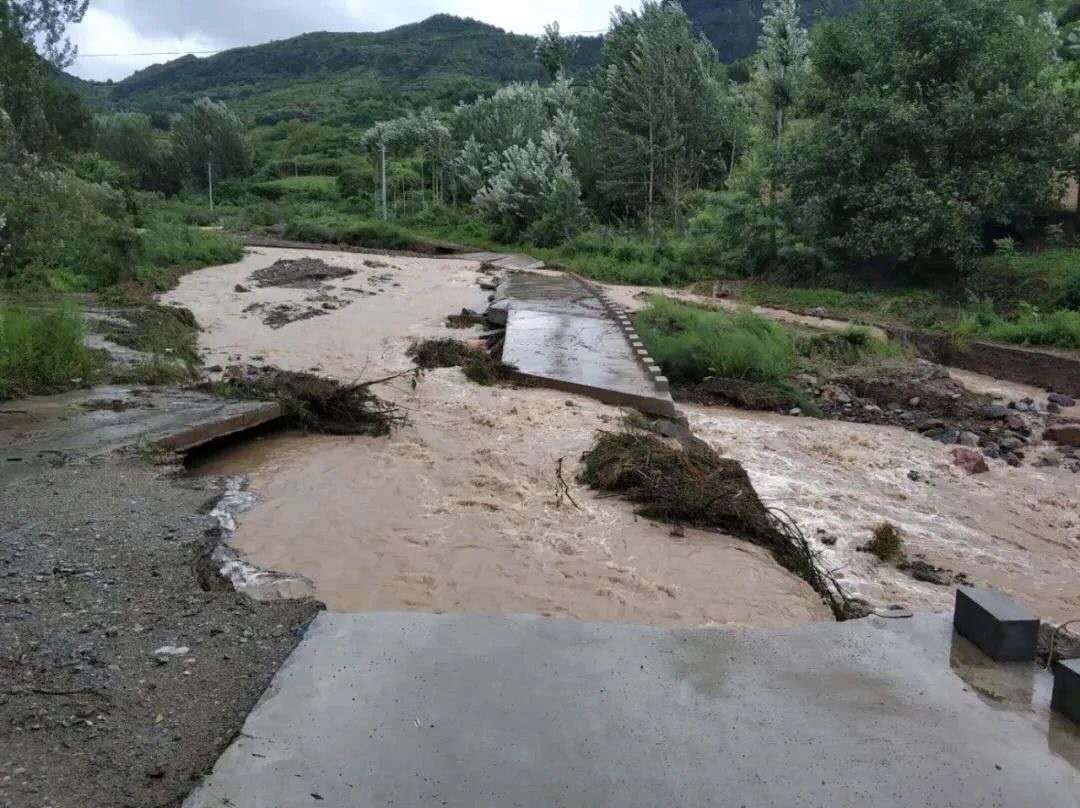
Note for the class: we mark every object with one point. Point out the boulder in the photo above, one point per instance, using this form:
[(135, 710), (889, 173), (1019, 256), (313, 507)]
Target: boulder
[(969, 461), (995, 412), (969, 439), (1061, 400)]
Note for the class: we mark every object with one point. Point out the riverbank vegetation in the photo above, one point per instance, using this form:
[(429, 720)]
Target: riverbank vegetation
[(902, 164)]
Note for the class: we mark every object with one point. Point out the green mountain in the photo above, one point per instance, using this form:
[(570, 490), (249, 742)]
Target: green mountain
[(358, 78), (346, 77)]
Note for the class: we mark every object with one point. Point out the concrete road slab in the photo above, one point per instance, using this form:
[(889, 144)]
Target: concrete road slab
[(586, 355), (37, 431), (475, 710)]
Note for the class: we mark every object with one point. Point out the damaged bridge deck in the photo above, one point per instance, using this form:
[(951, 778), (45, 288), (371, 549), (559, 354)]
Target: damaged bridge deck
[(562, 333)]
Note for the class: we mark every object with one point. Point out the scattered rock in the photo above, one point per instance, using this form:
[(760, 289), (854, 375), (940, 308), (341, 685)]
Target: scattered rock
[(969, 439), (1014, 459), (1061, 400), (969, 461), (995, 412), (914, 476), (240, 288), (1051, 459)]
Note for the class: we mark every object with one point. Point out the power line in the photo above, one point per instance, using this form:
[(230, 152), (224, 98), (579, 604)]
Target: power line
[(463, 35)]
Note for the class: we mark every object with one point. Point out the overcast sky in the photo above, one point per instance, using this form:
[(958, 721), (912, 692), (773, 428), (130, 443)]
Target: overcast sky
[(187, 26)]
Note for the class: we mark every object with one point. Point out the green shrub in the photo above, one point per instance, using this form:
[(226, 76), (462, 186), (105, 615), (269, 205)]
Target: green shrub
[(691, 343), (42, 351), (843, 348)]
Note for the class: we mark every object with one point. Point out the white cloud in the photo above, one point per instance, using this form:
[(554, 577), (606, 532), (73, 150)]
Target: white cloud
[(102, 34), (170, 26)]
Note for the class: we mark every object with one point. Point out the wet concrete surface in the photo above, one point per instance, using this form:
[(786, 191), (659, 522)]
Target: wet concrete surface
[(42, 431), (478, 710), (559, 333)]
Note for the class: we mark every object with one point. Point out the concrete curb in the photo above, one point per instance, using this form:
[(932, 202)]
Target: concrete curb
[(626, 325)]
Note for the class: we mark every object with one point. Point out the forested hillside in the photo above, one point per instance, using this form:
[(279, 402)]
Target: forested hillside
[(345, 78), (355, 78)]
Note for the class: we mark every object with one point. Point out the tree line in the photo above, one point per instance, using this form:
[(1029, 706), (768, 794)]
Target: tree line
[(906, 137)]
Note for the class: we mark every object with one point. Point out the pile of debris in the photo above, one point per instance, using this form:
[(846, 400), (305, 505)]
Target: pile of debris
[(312, 402), (688, 483), (300, 273)]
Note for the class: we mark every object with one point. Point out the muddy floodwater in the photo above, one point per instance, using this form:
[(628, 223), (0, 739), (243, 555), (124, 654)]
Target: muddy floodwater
[(457, 512)]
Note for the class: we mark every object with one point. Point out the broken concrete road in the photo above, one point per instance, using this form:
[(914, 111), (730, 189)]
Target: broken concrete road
[(38, 431)]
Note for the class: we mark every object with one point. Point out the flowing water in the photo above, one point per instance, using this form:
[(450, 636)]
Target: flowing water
[(457, 511)]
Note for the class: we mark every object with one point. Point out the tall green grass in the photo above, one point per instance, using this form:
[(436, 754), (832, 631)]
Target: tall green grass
[(691, 344), (1056, 329), (343, 228), (180, 246), (42, 351)]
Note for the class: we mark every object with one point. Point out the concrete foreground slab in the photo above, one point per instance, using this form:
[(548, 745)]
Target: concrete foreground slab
[(477, 710)]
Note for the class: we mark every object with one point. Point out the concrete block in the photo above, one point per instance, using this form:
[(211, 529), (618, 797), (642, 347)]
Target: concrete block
[(662, 384), (1066, 698), (1000, 627)]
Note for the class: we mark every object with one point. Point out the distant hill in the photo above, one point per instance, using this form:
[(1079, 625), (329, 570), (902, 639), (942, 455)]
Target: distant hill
[(357, 78)]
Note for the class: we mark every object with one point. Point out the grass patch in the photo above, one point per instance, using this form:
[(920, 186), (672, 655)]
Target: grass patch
[(312, 188), (693, 485), (1059, 329), (42, 351), (691, 344), (887, 543), (478, 365), (316, 404), (833, 351), (343, 228), (182, 247)]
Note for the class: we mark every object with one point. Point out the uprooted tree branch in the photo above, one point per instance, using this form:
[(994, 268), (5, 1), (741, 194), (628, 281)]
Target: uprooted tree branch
[(692, 485)]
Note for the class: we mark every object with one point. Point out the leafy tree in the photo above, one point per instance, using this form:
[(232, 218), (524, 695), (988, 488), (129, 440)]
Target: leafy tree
[(130, 139), (210, 135), (553, 51), (937, 127), (44, 21), (531, 191), (46, 118), (779, 68), (657, 112)]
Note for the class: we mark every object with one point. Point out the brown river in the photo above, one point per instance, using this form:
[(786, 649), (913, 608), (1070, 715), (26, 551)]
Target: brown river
[(457, 510)]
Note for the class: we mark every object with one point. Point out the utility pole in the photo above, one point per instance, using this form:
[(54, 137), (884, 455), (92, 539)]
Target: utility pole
[(210, 181), (385, 215)]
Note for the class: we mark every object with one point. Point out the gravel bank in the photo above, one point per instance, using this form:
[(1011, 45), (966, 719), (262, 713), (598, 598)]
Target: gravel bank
[(98, 572)]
